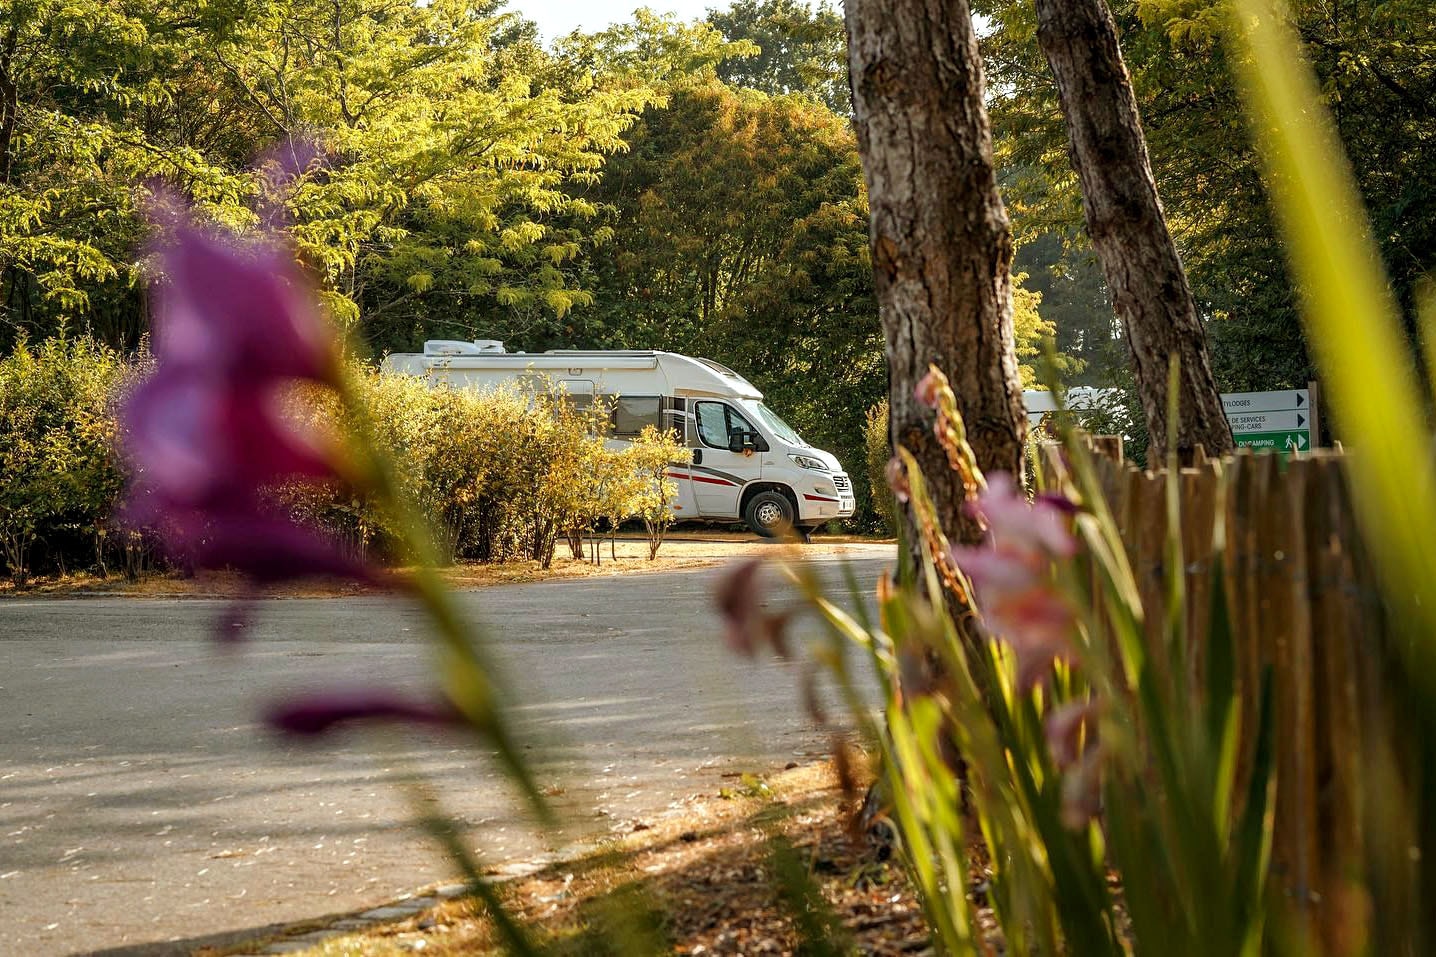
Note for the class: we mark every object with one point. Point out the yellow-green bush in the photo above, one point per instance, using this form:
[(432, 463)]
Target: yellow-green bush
[(501, 475), (60, 477), (877, 452)]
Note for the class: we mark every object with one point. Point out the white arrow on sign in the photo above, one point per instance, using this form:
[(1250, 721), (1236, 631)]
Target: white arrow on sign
[(1297, 442), (1285, 400), (1268, 421)]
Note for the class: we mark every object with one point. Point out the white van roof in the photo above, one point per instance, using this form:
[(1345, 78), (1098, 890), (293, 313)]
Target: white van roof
[(679, 374)]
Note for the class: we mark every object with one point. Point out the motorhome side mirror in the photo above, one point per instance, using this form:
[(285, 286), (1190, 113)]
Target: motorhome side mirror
[(743, 441)]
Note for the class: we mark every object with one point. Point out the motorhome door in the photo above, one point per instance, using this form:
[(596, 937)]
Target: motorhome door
[(719, 473)]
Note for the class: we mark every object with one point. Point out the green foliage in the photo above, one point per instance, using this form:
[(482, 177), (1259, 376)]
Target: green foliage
[(500, 475), (877, 451), (741, 233), (1074, 300), (649, 457), (445, 186), (800, 49), (1376, 67), (1111, 729), (693, 186), (61, 473)]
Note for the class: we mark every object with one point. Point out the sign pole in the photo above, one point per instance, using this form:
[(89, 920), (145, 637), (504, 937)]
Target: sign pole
[(1314, 388)]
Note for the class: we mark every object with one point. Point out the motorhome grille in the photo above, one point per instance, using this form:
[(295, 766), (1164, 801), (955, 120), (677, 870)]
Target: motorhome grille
[(842, 483)]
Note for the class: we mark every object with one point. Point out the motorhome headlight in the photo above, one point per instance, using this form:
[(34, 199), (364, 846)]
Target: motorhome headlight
[(808, 462)]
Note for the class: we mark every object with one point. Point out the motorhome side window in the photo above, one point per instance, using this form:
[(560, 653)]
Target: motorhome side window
[(632, 412), (717, 421)]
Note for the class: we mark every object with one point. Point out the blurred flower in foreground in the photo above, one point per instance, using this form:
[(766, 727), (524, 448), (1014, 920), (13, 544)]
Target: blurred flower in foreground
[(1071, 732), (896, 474), (235, 329), (1010, 574), (928, 388), (747, 627), (316, 714)]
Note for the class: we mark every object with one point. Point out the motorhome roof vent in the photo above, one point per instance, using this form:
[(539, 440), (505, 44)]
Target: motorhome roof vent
[(460, 347)]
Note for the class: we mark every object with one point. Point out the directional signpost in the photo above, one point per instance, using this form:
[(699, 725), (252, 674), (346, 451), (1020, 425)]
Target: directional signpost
[(1284, 421)]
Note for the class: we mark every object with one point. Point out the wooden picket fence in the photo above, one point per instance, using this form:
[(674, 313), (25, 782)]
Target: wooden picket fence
[(1303, 602)]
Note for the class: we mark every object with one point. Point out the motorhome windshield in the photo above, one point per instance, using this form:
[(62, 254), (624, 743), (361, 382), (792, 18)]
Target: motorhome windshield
[(781, 429)]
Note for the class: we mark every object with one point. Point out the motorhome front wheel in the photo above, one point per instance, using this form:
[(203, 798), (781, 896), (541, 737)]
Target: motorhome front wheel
[(769, 514)]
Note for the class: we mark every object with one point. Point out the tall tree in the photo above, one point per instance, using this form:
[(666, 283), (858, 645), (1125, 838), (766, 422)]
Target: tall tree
[(1128, 226), (1203, 161), (446, 196), (740, 232), (941, 244), (799, 49)]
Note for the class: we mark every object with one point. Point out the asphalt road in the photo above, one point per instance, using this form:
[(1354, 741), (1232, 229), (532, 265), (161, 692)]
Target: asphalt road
[(141, 802)]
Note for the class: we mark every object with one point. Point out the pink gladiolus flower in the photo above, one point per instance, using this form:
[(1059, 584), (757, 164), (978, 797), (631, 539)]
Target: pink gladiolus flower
[(1064, 728), (1014, 523), (316, 714), (1082, 791), (1010, 576), (925, 391), (897, 479)]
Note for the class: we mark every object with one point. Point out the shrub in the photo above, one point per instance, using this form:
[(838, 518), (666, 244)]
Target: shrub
[(877, 452), (62, 477), (500, 475), (650, 457)]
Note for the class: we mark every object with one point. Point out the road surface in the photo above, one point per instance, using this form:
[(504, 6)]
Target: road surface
[(141, 802)]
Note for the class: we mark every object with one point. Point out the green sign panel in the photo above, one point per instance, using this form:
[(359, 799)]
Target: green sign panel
[(1298, 440)]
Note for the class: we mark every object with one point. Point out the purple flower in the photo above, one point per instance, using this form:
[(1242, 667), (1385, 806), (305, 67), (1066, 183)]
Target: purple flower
[(747, 628), (241, 313), (316, 714), (197, 443), (207, 437), (266, 547)]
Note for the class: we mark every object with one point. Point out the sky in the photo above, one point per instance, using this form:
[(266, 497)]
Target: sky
[(558, 17)]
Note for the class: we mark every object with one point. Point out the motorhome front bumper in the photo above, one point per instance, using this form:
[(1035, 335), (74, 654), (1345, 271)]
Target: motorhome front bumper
[(829, 499)]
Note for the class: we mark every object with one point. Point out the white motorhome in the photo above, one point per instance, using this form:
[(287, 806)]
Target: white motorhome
[(748, 464)]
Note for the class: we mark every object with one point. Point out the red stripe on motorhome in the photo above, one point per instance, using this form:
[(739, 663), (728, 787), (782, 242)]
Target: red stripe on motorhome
[(818, 498), (714, 481), (704, 478)]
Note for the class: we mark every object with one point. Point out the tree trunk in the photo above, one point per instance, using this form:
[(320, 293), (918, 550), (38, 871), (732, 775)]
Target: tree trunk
[(1150, 293), (9, 102), (940, 238)]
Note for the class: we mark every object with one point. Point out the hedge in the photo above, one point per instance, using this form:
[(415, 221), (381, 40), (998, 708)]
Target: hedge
[(501, 476)]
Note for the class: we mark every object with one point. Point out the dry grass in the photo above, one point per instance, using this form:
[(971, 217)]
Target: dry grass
[(699, 881), (680, 551)]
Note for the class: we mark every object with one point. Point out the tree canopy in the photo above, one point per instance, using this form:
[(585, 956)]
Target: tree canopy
[(1377, 62), (692, 185)]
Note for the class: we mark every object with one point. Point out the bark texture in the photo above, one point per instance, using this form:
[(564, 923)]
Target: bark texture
[(1150, 292), (941, 242)]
